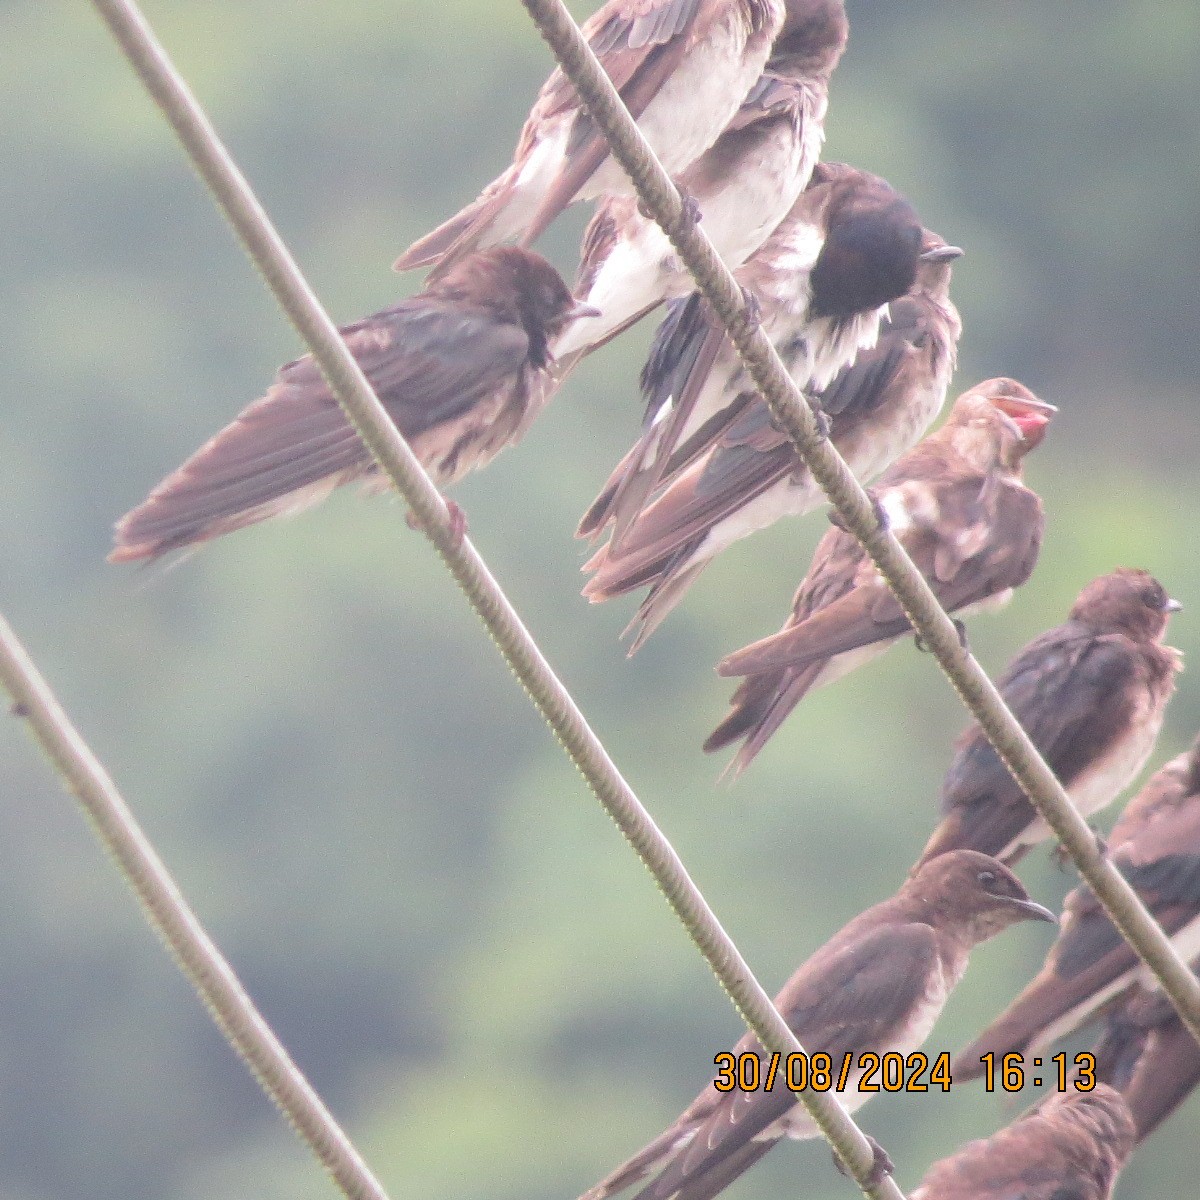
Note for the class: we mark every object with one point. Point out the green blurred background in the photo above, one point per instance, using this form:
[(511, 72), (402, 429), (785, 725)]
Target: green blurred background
[(418, 890)]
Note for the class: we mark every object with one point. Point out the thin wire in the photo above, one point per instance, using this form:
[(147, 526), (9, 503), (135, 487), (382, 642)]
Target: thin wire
[(197, 956), (265, 248), (792, 412)]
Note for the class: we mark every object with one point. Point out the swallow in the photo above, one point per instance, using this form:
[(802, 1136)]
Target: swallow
[(1145, 1052), (747, 474), (959, 507), (1156, 845), (878, 986), (1072, 1146), (821, 283), (1091, 695), (743, 186), (462, 369), (682, 68)]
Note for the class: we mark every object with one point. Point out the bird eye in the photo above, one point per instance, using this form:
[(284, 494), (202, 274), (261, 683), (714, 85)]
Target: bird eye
[(987, 878), (1155, 597)]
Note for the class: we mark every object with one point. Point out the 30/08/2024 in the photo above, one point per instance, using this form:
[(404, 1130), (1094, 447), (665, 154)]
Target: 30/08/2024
[(892, 1072)]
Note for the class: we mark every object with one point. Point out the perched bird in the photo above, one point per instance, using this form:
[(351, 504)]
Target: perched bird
[(821, 281), (682, 67), (1071, 1147), (462, 369), (957, 504), (877, 986), (745, 475), (1156, 846), (1146, 1053), (743, 186), (1091, 695)]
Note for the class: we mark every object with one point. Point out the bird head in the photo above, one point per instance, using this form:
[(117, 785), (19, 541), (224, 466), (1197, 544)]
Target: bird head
[(934, 264), (972, 892), (1127, 600), (996, 423)]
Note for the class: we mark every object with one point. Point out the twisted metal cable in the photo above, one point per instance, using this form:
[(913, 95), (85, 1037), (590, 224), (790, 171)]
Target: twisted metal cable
[(197, 956), (266, 249)]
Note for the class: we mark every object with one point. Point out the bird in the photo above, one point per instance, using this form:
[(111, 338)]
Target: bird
[(1156, 845), (462, 369), (819, 287), (877, 986), (682, 67), (1145, 1051), (726, 484), (959, 507), (1091, 695), (743, 186), (1072, 1146)]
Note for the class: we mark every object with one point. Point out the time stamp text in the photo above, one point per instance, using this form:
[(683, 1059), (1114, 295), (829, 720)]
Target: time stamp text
[(894, 1072)]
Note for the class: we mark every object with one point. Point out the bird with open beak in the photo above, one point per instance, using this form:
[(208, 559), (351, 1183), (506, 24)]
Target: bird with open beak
[(743, 186), (876, 987), (958, 505), (1156, 845), (682, 67), (743, 475), (1072, 1146), (462, 369), (1091, 694)]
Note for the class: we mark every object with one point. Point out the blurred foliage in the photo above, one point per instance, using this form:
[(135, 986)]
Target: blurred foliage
[(412, 881)]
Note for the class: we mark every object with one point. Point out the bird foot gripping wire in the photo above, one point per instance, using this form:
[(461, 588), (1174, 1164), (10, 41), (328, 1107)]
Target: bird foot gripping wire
[(1062, 856), (458, 523), (881, 1165), (882, 521), (959, 628)]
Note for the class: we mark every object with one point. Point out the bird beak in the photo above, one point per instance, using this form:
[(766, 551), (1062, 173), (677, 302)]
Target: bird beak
[(1032, 911), (940, 254), (1173, 606), (583, 310), (1030, 416)]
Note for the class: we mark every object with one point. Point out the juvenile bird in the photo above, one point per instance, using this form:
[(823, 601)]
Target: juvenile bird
[(727, 482), (743, 186), (1091, 695), (821, 283), (682, 68), (959, 507), (1071, 1147), (878, 986), (1156, 845), (462, 369), (1146, 1052)]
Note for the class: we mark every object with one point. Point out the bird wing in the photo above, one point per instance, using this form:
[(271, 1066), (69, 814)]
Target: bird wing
[(639, 45), (427, 361), (843, 1000), (1067, 688), (858, 389)]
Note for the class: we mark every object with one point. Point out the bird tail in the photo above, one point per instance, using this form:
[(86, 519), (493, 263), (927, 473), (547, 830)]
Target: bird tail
[(284, 453), (481, 224), (641, 1164), (759, 706)]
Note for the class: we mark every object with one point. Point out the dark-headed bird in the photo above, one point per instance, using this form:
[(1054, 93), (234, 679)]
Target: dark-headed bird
[(730, 481), (1071, 1147), (1156, 846), (1091, 695), (743, 186), (1147, 1053), (682, 67), (958, 505), (462, 369), (878, 986)]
